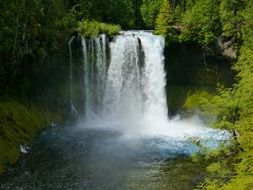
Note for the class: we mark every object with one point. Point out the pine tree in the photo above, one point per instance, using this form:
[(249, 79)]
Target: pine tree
[(164, 19), (149, 11), (231, 18)]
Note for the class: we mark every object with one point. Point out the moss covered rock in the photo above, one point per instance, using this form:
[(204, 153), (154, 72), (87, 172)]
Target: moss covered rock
[(19, 124)]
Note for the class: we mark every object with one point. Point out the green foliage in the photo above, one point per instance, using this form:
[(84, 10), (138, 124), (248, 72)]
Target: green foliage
[(164, 18), (190, 4), (30, 31), (199, 100), (234, 109), (178, 14), (247, 27), (202, 22), (205, 20), (231, 19), (212, 106), (149, 11), (244, 88), (40, 27), (123, 12), (93, 28)]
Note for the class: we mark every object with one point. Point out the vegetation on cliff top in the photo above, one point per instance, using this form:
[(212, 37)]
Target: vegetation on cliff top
[(93, 28)]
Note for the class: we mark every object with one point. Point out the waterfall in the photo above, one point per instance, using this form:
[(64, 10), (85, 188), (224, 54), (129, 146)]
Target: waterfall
[(124, 87), (72, 106), (101, 66), (154, 81), (86, 77), (94, 64), (129, 87), (134, 84), (135, 87)]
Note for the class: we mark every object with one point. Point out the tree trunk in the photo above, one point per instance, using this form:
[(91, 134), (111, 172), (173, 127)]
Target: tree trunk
[(16, 38)]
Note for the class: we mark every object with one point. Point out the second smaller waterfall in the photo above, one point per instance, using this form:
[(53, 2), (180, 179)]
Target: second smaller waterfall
[(95, 65), (72, 106)]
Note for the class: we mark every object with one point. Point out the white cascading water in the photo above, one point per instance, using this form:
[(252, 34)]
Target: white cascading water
[(124, 83), (154, 82), (101, 65), (129, 95), (72, 106), (94, 64), (135, 88)]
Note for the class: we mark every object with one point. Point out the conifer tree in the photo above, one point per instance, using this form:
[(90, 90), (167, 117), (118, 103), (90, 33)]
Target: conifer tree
[(149, 11), (231, 18), (164, 19)]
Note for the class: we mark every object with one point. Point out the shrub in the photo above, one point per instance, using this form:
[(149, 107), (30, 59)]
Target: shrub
[(93, 28)]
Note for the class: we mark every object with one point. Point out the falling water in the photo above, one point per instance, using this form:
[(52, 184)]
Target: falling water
[(129, 93), (101, 65), (94, 64), (72, 106), (135, 87), (85, 78)]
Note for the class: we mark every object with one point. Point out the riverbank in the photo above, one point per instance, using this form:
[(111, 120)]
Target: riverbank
[(20, 122)]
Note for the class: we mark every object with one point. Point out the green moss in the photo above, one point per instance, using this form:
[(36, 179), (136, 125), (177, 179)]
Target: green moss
[(19, 124)]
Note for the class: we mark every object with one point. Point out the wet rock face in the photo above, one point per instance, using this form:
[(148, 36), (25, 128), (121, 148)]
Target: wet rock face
[(189, 68), (191, 64)]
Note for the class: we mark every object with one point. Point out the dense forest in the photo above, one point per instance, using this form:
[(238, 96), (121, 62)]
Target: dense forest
[(33, 30)]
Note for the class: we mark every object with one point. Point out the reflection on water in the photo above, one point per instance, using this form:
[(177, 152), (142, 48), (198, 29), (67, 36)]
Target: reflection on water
[(83, 158)]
